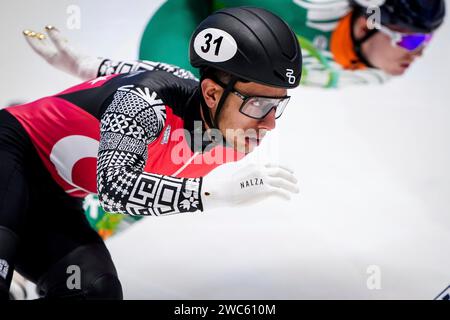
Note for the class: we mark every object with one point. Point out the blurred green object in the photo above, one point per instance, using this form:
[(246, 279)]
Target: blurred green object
[(166, 37), (106, 224)]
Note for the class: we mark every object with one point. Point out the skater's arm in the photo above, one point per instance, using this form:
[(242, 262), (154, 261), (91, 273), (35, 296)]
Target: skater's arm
[(57, 51), (108, 67), (130, 123)]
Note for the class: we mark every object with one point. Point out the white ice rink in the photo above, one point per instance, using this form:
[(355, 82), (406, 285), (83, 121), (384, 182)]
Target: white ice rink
[(373, 165)]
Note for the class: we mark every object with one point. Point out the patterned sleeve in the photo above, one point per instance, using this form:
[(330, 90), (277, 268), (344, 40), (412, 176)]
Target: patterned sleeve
[(108, 67), (134, 119)]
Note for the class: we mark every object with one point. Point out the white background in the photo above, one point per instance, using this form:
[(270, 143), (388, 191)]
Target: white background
[(373, 164)]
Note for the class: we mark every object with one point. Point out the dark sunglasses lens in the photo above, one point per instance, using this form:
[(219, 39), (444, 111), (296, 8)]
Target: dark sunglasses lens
[(413, 41)]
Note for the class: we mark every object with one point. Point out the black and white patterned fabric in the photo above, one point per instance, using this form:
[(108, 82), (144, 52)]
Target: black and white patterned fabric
[(134, 119), (108, 67)]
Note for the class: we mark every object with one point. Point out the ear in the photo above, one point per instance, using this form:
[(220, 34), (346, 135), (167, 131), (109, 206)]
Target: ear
[(211, 93), (360, 27)]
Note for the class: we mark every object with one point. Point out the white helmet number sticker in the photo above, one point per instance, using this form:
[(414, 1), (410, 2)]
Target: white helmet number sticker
[(215, 45)]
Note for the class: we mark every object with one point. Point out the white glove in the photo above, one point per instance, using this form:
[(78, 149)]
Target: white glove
[(61, 55), (228, 185)]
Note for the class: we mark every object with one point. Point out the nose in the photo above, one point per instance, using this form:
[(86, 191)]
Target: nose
[(418, 52), (268, 122)]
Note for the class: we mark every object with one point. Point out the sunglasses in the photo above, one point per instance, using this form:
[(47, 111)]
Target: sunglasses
[(258, 107), (408, 41)]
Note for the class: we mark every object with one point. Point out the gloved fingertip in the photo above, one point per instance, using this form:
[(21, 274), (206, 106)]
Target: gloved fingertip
[(288, 169), (293, 191), (29, 33), (49, 27)]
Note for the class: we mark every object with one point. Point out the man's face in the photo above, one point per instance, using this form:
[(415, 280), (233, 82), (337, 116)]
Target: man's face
[(382, 54), (240, 131), (392, 59)]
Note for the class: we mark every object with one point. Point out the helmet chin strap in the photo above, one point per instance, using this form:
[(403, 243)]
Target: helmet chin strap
[(357, 43), (225, 93), (213, 122)]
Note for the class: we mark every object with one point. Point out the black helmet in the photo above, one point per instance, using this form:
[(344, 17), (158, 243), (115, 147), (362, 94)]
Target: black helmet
[(250, 43), (423, 16)]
